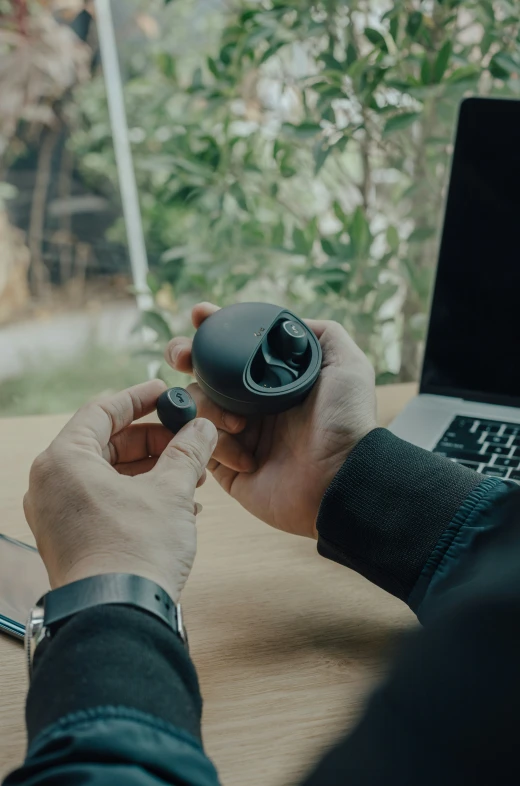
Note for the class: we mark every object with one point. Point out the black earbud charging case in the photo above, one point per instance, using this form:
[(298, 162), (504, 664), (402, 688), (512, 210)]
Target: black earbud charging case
[(232, 355)]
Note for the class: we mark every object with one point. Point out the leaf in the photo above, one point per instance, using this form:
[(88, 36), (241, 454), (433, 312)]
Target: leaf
[(155, 321), (178, 253), (486, 42), (320, 154), (153, 282), (226, 53), (332, 281), (463, 74), (196, 83), (270, 51), (278, 234), (419, 278), (330, 62), (326, 89), (303, 131), (441, 62), (414, 24), (212, 66), (246, 16), (426, 71), (394, 27), (376, 38), (399, 122), (421, 234), (487, 7), (360, 235), (237, 192), (392, 238), (167, 65), (339, 213), (286, 167), (301, 246), (502, 66), (328, 247), (351, 54)]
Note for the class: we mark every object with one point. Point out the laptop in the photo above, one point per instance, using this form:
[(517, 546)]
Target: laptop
[(468, 407)]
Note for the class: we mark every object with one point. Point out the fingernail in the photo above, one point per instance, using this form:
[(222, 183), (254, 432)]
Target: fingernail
[(174, 354), (232, 422), (207, 428)]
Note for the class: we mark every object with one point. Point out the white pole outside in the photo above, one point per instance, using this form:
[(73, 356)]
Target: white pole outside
[(123, 152)]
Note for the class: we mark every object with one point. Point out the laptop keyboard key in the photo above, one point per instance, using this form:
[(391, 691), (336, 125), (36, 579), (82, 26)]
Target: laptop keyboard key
[(506, 462), (469, 464), (462, 455), (498, 450), (457, 445), (497, 440), (515, 476), (491, 428), (497, 472)]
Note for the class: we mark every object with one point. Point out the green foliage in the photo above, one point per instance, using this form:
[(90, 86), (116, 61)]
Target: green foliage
[(297, 152)]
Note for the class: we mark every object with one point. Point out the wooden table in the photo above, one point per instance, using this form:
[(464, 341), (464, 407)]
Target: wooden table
[(286, 644)]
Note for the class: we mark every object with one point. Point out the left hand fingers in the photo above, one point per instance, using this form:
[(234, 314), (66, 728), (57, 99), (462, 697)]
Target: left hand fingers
[(95, 424)]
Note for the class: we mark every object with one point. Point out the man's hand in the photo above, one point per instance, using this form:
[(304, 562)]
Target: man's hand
[(279, 466), (111, 497)]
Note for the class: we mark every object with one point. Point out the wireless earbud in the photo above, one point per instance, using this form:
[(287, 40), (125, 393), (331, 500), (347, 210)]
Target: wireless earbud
[(175, 408), (290, 340)]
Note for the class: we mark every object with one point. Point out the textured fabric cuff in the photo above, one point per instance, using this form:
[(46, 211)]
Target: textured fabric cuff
[(114, 655), (387, 507)]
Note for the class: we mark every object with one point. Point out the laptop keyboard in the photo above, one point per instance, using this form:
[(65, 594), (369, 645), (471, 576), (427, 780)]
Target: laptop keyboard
[(487, 446)]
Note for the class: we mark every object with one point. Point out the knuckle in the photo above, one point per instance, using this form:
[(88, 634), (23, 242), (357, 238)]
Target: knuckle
[(41, 466), (190, 453), (115, 410)]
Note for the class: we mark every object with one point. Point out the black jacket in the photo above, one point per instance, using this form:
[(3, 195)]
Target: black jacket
[(440, 537)]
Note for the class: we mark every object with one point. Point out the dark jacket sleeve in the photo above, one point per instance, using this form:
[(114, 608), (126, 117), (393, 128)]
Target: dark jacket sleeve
[(447, 713), (395, 513), (114, 700)]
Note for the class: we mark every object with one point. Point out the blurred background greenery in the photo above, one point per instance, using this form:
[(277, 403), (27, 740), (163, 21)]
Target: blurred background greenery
[(295, 152)]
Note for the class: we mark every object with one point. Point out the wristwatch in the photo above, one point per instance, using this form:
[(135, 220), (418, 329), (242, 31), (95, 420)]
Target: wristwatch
[(56, 607)]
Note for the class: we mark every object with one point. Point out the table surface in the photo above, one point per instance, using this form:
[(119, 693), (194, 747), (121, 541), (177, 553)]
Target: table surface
[(286, 644)]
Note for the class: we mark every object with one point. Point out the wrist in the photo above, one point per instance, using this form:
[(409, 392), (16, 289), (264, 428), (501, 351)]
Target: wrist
[(87, 567)]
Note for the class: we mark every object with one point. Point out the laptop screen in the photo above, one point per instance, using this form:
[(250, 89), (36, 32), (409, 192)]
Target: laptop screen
[(472, 350)]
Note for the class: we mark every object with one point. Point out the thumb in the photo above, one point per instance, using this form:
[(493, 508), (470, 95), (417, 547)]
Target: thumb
[(185, 458)]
